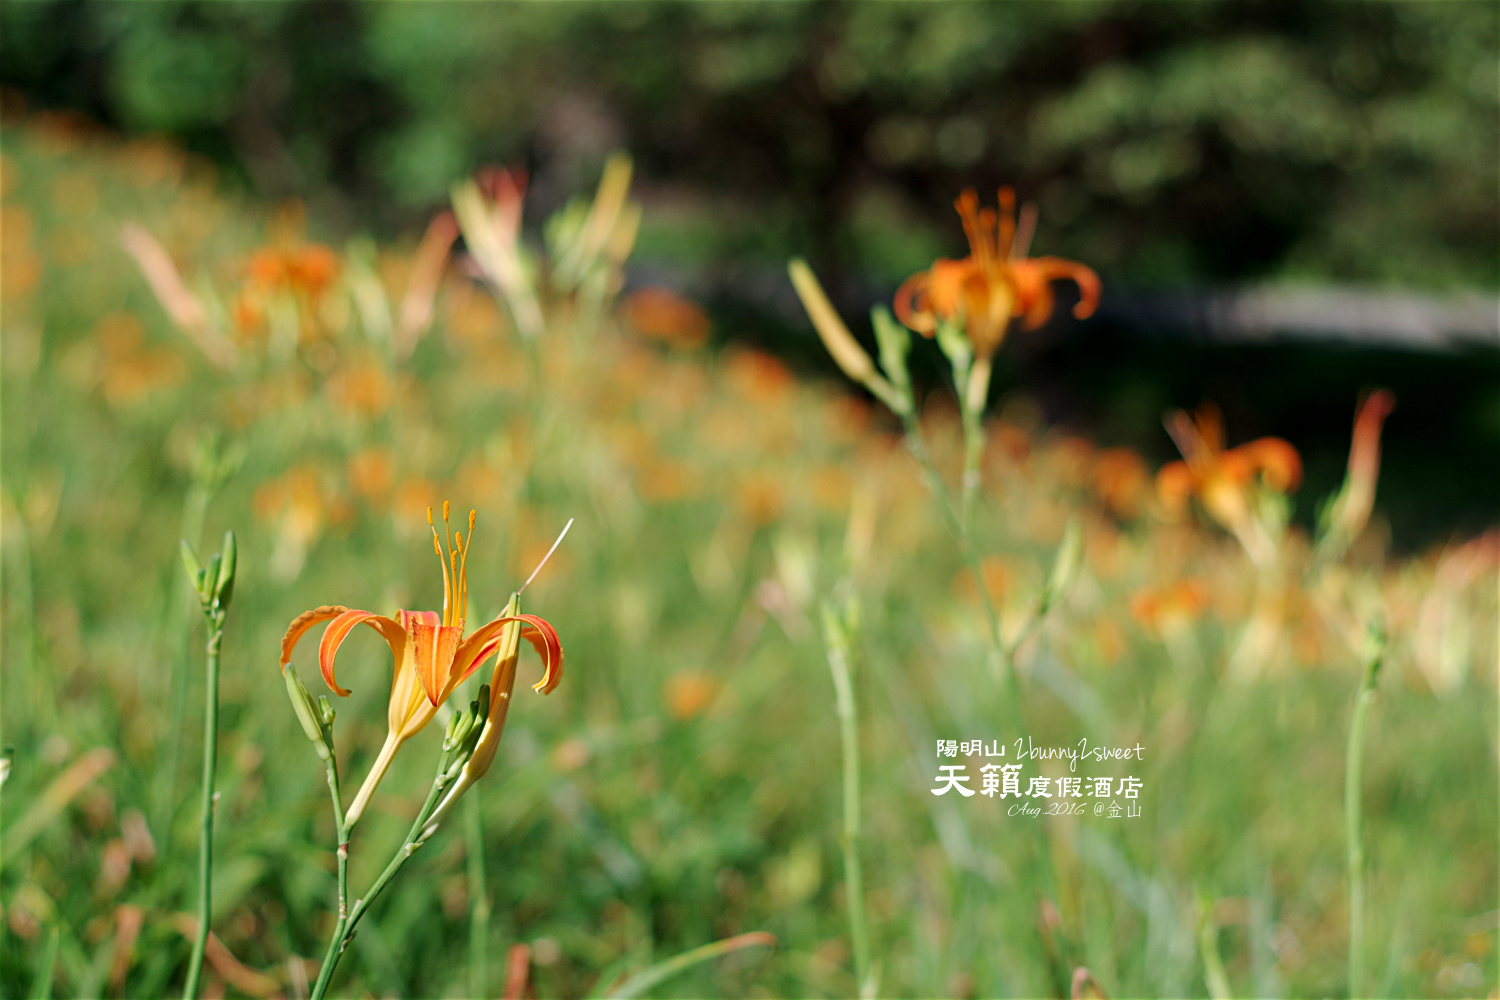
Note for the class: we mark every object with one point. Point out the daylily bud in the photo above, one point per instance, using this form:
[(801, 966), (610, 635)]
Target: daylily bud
[(325, 710), (956, 347), (210, 580), (307, 714), (1065, 565), (845, 350), (224, 582), (894, 341), (193, 567)]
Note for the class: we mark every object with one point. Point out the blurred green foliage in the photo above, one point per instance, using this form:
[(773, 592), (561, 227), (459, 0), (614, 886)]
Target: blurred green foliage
[(1166, 143), (682, 783)]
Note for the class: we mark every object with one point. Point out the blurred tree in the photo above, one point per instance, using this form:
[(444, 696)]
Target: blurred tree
[(1167, 143)]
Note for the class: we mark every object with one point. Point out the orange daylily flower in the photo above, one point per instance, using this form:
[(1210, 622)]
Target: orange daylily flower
[(1222, 479), (431, 655), (995, 283)]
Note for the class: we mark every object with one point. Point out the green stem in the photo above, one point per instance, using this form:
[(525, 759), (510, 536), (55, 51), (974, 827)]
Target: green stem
[(206, 836), (1353, 778), (939, 488), (342, 829), (479, 902), (859, 930), (1004, 653), (182, 601), (976, 396), (343, 931)]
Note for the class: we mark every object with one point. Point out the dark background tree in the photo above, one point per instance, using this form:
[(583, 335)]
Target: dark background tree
[(1172, 146)]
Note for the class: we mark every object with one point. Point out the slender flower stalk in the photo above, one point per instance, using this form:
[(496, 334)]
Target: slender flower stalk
[(215, 586), (967, 306), (1353, 828), (479, 902), (212, 467), (349, 920), (839, 628)]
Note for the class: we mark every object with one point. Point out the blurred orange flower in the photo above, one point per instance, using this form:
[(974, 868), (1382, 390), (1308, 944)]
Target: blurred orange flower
[(1163, 609), (662, 314), (1120, 480), (1222, 480), (370, 473), (302, 272), (995, 283), (430, 654), (687, 693)]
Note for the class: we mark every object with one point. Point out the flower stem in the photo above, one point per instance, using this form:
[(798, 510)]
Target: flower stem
[(859, 930), (1041, 867), (976, 395), (1354, 833), (180, 604), (343, 931), (206, 836), (479, 903)]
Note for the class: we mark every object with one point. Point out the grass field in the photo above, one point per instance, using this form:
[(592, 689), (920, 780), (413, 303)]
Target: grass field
[(683, 783)]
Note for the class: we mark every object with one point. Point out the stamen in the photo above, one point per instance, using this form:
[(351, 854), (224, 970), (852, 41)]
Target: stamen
[(463, 572), (967, 205), (986, 226), (1027, 228), (546, 557), (437, 547), (450, 597), (458, 601)]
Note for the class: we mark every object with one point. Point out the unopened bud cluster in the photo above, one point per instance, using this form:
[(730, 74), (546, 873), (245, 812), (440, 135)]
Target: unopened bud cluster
[(462, 734), (214, 584)]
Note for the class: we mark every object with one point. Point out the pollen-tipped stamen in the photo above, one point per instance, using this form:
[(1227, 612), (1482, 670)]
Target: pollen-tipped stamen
[(437, 546), (968, 210), (463, 571), (1025, 229), (1006, 227)]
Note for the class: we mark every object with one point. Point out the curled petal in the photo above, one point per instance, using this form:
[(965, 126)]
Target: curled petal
[(1055, 268), (301, 624), (544, 639), (338, 630), (912, 305), (1276, 460), (538, 631)]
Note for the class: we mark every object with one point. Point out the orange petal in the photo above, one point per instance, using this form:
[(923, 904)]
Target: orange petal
[(544, 639), (912, 304), (301, 624), (1278, 462), (435, 646), (538, 631), (338, 630), (1051, 269), (429, 617)]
